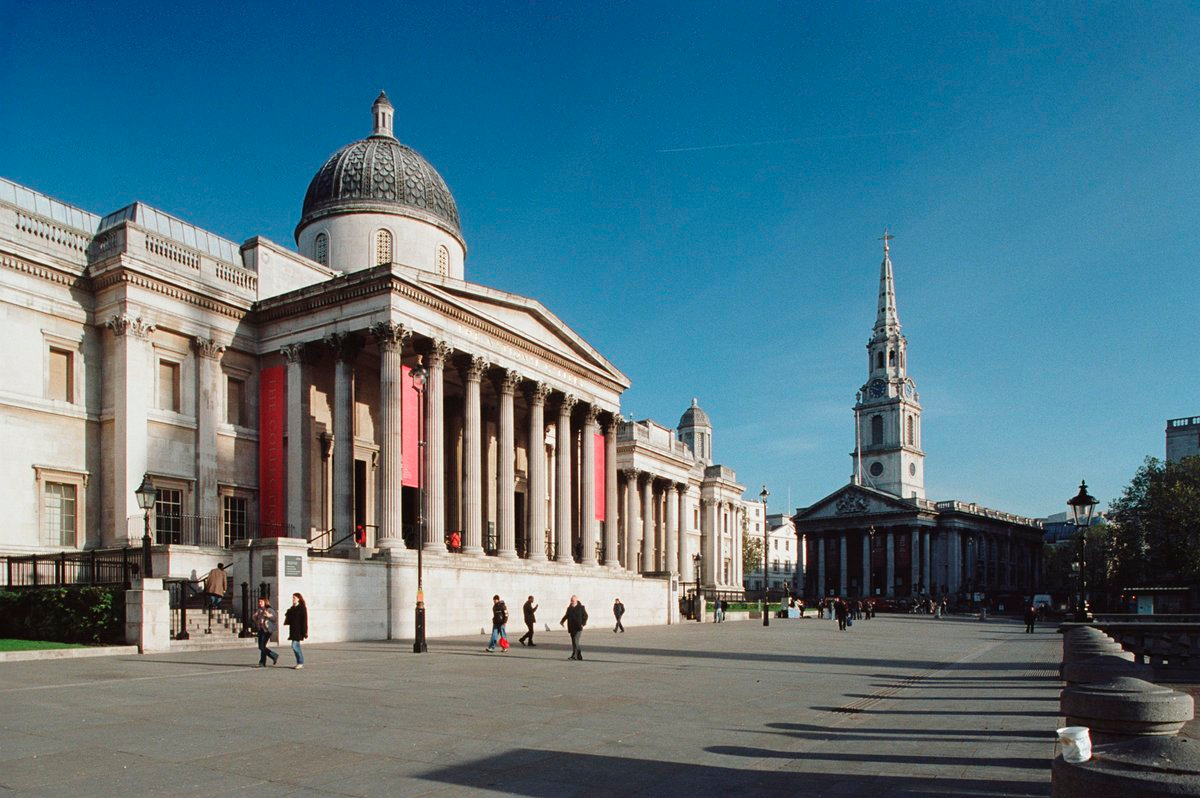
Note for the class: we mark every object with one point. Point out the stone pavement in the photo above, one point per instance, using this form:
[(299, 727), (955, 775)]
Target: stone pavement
[(896, 706)]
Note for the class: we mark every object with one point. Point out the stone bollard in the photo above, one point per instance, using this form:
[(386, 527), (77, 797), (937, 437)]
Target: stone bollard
[(1148, 767), (1125, 708), (1103, 668), (1085, 642)]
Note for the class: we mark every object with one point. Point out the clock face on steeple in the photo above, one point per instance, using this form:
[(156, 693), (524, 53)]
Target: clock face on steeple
[(876, 389)]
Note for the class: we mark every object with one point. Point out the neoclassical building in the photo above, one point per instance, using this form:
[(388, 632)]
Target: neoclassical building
[(879, 535), (357, 386)]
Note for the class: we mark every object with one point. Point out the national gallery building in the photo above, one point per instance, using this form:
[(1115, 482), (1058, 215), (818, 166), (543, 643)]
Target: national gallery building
[(879, 535), (337, 406)]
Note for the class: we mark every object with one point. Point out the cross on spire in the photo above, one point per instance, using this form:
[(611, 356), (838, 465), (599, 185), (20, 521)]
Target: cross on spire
[(885, 238)]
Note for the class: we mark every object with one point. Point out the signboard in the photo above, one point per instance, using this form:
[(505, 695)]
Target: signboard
[(270, 565), (293, 565)]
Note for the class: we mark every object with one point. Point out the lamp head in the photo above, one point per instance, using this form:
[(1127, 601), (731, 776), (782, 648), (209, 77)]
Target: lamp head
[(1082, 506), (419, 373), (146, 493)]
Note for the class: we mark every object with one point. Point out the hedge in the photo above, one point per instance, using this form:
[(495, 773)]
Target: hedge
[(64, 614)]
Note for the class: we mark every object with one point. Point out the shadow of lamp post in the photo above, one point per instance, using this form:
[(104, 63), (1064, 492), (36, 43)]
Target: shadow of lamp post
[(1082, 506)]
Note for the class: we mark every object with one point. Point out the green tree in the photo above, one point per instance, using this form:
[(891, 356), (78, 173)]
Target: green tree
[(752, 554), (1156, 525)]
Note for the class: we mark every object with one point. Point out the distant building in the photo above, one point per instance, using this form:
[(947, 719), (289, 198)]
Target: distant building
[(1183, 438), (1058, 529), (785, 556)]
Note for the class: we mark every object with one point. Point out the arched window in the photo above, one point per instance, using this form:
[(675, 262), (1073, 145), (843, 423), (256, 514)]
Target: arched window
[(443, 261), (383, 248), (891, 357), (908, 432), (876, 430), (879, 360), (321, 249), (901, 360)]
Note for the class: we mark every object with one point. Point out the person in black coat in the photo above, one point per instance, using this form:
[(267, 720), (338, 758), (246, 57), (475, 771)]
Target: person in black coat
[(296, 620), (1030, 617), (529, 608), (575, 618), (618, 611), (499, 621)]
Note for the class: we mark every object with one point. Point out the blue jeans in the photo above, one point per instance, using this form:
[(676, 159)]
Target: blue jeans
[(497, 633), (296, 650), (263, 651)]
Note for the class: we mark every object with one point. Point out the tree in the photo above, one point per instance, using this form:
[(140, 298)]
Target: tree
[(752, 554), (1156, 534)]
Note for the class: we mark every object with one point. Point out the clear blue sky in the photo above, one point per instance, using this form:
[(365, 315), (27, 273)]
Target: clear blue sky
[(697, 188)]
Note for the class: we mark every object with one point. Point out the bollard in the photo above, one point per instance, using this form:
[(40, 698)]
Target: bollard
[(1148, 767), (1103, 668), (1125, 708)]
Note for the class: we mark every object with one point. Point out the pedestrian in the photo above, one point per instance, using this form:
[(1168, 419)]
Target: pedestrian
[(839, 611), (455, 542), (296, 620), (528, 609), (264, 625), (215, 585), (575, 618), (618, 611), (1030, 618), (499, 620), (800, 604)]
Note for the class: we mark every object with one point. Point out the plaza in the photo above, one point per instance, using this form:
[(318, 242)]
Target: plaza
[(898, 705)]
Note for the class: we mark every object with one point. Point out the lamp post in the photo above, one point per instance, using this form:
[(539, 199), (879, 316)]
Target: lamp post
[(1082, 506), (766, 553), (145, 498), (418, 375), (871, 562), (697, 562)]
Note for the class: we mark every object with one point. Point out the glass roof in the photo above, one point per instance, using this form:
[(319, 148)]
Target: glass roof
[(167, 225), (42, 205)]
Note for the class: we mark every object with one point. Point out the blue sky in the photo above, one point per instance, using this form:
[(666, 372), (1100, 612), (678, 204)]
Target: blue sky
[(698, 189)]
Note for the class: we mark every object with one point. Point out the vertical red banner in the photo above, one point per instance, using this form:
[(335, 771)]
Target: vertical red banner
[(408, 429), (272, 410), (598, 448)]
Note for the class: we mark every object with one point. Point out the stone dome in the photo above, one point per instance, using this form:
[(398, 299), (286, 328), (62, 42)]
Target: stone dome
[(694, 417), (378, 174)]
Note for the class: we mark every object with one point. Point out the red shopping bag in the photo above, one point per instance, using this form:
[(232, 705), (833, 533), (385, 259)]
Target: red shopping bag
[(504, 644)]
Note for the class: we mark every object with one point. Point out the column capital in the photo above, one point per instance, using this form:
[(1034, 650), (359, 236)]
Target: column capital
[(537, 393), (293, 352), (345, 345), (593, 413), (630, 474), (208, 348), (509, 380), (613, 424), (567, 403), (476, 368), (124, 323), (390, 335), (681, 488), (438, 350)]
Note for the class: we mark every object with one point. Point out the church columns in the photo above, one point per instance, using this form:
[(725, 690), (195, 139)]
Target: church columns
[(391, 338), (843, 576), (611, 501), (505, 466), (914, 557), (866, 565), (562, 529), (927, 560), (345, 347), (435, 445), (535, 511), (889, 589), (587, 531), (821, 543), (473, 457)]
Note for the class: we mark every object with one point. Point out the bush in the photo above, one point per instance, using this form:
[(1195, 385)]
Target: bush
[(64, 614)]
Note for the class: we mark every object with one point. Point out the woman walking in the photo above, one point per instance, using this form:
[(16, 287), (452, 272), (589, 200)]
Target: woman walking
[(296, 620), (264, 624)]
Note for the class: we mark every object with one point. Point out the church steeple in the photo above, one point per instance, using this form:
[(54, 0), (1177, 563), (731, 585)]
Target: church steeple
[(887, 410)]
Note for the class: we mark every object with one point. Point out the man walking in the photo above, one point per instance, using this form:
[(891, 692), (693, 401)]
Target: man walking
[(575, 618), (1030, 617), (618, 611), (215, 585), (499, 619), (529, 608)]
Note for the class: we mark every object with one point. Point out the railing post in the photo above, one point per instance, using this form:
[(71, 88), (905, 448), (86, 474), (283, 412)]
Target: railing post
[(183, 632), (92, 579), (33, 560), (60, 569), (245, 611)]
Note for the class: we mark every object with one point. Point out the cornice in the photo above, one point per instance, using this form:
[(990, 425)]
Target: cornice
[(124, 275), (48, 273)]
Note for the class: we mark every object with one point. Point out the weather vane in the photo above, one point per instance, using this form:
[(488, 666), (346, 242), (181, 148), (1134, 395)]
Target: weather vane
[(887, 236)]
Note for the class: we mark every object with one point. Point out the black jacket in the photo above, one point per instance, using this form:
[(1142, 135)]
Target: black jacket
[(499, 614), (529, 610), (296, 620), (576, 618), (618, 609)]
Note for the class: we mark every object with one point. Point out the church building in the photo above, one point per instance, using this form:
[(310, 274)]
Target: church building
[(879, 535)]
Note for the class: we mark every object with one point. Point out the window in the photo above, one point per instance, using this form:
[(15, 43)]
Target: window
[(233, 519), (168, 386), (891, 357), (776, 546), (168, 515), (876, 430), (443, 261), (61, 383), (321, 249), (235, 389), (695, 518), (879, 360), (383, 248), (60, 519), (908, 430)]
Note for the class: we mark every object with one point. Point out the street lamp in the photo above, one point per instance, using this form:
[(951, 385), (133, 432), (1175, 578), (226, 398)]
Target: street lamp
[(697, 562), (145, 498), (871, 562), (1082, 506), (766, 553), (418, 374)]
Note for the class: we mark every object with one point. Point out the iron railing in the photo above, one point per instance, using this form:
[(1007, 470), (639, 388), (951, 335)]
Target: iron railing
[(203, 530), (95, 567)]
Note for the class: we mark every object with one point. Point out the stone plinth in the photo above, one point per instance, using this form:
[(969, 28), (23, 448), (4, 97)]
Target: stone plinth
[(1149, 767), (1124, 708), (1104, 668), (148, 617)]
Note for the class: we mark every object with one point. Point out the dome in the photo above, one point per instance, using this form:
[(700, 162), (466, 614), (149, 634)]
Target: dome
[(378, 174), (694, 417)]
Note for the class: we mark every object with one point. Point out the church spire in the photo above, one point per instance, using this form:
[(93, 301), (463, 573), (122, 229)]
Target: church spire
[(887, 319)]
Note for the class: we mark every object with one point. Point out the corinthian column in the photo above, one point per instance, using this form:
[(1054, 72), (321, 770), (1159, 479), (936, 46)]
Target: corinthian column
[(472, 438), (390, 338), (611, 511), (297, 404), (648, 525), (345, 347), (208, 368), (587, 531), (504, 493), (562, 528), (671, 530), (435, 449), (536, 509), (631, 514)]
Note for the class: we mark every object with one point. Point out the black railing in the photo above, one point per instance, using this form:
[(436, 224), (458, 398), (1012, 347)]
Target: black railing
[(185, 594), (95, 567), (205, 530)]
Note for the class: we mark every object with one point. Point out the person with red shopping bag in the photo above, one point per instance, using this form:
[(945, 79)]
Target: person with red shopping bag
[(499, 620)]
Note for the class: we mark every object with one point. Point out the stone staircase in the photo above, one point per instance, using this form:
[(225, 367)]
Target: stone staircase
[(224, 631)]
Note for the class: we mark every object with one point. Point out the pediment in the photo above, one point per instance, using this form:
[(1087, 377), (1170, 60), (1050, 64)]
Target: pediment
[(852, 500)]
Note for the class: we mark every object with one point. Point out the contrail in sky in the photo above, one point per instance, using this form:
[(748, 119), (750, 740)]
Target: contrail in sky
[(790, 141)]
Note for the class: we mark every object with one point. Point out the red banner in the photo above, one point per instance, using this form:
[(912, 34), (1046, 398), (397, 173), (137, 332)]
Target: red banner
[(272, 480), (408, 429), (598, 448)]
